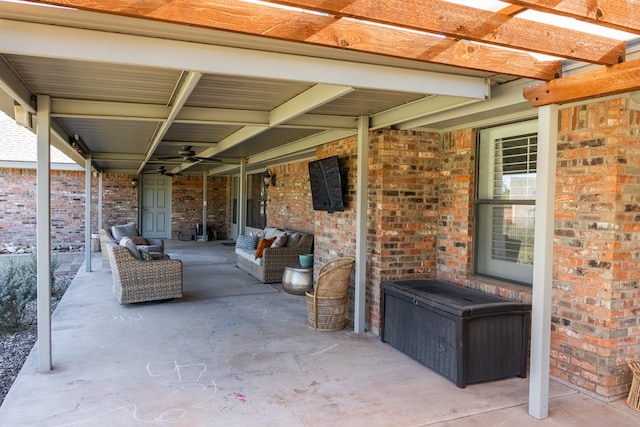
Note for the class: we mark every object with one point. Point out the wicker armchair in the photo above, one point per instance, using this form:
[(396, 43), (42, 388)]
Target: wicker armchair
[(135, 280), (154, 246), (327, 301)]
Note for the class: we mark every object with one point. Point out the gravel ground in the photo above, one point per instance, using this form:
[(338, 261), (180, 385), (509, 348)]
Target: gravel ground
[(16, 346)]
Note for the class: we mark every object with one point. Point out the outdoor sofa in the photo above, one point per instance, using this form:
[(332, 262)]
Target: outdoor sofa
[(284, 248)]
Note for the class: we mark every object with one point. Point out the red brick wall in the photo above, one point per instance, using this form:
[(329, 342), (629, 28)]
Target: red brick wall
[(403, 203), (455, 211), (403, 210), (596, 323), (18, 206), (186, 205), (335, 232), (219, 206), (119, 200), (120, 205), (289, 201)]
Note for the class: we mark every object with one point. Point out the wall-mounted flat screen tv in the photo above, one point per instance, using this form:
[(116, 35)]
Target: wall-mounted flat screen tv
[(326, 184)]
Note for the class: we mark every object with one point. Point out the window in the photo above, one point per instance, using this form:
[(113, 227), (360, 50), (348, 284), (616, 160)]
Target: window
[(505, 202), (256, 201)]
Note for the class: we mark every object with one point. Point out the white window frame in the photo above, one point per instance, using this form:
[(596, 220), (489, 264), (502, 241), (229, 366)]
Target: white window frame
[(494, 257)]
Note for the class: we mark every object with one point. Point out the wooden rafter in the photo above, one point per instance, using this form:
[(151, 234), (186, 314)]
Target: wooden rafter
[(619, 14), (436, 32), (469, 23), (327, 30), (605, 81)]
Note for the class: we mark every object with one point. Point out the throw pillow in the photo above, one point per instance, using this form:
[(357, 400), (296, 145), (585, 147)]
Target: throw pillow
[(145, 255), (279, 242), (262, 245), (246, 242), (293, 239), (270, 232), (258, 234), (128, 243), (139, 240), (120, 231)]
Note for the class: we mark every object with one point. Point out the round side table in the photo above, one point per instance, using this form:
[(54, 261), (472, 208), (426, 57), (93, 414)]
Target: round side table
[(297, 279)]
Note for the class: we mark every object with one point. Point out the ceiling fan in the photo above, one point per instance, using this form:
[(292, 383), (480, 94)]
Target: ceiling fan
[(164, 172), (188, 155)]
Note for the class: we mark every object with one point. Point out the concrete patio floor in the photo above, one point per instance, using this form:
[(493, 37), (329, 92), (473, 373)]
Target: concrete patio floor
[(236, 352)]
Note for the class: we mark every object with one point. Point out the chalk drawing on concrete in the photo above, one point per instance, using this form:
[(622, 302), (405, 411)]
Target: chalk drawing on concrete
[(183, 381)]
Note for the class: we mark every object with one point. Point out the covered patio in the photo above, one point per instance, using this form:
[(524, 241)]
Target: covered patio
[(179, 97), (234, 351)]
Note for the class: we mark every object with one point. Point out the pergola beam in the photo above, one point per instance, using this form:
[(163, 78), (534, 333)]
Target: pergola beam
[(325, 30), (621, 15), (42, 40), (605, 81), (470, 23)]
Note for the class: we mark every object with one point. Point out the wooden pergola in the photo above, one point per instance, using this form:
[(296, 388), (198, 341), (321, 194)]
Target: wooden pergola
[(435, 31)]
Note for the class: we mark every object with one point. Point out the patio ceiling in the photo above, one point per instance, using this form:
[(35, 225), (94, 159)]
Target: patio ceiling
[(269, 81)]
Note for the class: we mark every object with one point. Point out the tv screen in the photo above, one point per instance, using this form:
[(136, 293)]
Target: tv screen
[(326, 185)]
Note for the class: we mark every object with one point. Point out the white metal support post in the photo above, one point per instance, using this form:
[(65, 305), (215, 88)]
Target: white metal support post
[(204, 206), (242, 197), (99, 200), (87, 214), (543, 261), (362, 180), (43, 227)]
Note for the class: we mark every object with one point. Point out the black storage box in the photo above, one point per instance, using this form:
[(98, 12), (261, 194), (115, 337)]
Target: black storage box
[(465, 335)]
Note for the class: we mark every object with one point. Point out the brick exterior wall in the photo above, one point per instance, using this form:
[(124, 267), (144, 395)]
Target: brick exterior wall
[(119, 203), (596, 310), (455, 210), (219, 206), (119, 200), (186, 205), (403, 206), (289, 201), (404, 192), (18, 206)]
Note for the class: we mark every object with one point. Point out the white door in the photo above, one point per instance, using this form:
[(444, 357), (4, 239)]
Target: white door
[(156, 207)]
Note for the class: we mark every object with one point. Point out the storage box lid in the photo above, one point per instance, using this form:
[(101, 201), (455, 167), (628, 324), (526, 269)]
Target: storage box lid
[(454, 299)]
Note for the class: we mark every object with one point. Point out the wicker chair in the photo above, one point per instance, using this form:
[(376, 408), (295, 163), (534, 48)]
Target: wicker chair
[(155, 246), (633, 399), (327, 301), (135, 280)]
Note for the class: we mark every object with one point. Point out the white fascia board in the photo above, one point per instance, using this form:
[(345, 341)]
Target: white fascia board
[(8, 164), (31, 39)]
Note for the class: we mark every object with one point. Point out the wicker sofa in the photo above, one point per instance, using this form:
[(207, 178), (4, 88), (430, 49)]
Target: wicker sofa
[(136, 280), (269, 267), (115, 234)]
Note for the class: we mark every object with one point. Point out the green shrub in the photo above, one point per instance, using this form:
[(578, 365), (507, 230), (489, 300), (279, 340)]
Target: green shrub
[(18, 290)]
